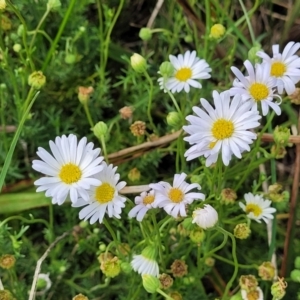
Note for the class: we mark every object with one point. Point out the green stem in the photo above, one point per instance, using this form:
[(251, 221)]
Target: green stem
[(111, 231), (38, 27), (29, 97), (103, 146), (175, 104), (207, 21), (24, 220), (232, 263), (150, 101), (14, 142), (248, 21), (164, 294), (158, 241), (88, 114), (59, 33), (235, 261)]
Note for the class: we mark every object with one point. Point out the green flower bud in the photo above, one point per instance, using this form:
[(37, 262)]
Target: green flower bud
[(150, 283), (145, 34), (53, 4), (134, 175), (17, 48), (297, 262), (295, 275), (242, 231), (138, 63), (70, 58), (102, 247), (100, 130), (126, 267), (83, 224), (188, 38), (166, 69), (252, 53), (187, 223), (37, 80), (173, 119), (217, 31), (197, 235), (281, 135), (2, 5)]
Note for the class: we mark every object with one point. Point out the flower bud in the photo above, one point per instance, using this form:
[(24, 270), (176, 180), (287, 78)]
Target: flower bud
[(102, 247), (188, 38), (209, 261), (197, 235), (2, 5), (166, 69), (70, 58), (242, 231), (80, 297), (17, 48), (84, 224), (84, 94), (173, 119), (252, 53), (53, 4), (278, 289), (166, 281), (145, 34), (278, 151), (150, 283), (7, 261), (297, 262), (189, 280), (126, 267), (138, 63), (228, 196), (281, 135), (134, 174), (100, 130), (295, 275), (37, 80), (266, 271), (206, 217), (20, 30), (217, 31)]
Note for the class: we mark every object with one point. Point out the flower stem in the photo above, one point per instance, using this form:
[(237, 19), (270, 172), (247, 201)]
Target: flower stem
[(164, 294), (150, 101), (158, 241), (111, 231)]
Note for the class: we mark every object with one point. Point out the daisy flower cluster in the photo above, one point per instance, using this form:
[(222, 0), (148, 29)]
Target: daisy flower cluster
[(76, 171)]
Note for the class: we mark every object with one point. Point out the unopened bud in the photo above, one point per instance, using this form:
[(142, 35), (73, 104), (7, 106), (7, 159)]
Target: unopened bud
[(295, 275), (100, 130), (150, 283), (241, 231), (197, 235), (281, 135), (217, 31), (145, 34), (138, 63), (252, 53), (166, 69), (134, 174), (17, 48), (37, 80), (174, 119)]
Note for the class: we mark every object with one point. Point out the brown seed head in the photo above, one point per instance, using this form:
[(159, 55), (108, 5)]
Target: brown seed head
[(138, 128), (166, 281), (7, 261), (126, 112), (179, 268)]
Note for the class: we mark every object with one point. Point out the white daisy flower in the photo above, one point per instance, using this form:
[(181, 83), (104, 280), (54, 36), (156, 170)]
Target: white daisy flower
[(70, 169), (257, 208), (187, 69), (206, 217), (145, 263), (257, 294), (285, 66), (175, 198), (104, 198), (258, 87), (224, 128), (144, 202)]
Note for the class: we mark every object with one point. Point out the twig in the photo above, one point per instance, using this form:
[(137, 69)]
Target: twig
[(39, 264), (293, 204), (156, 10), (1, 285)]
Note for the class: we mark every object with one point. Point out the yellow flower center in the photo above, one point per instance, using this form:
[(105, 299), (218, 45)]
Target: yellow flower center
[(104, 193), (259, 91), (278, 69), (212, 144), (148, 199), (254, 208), (70, 173), (253, 295), (183, 74), (176, 195), (222, 129)]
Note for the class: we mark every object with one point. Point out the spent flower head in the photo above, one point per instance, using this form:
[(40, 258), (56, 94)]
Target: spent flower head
[(258, 87), (266, 271), (80, 297), (104, 197), (36, 80), (138, 128), (285, 66), (278, 289), (70, 170), (179, 268), (188, 69), (225, 128), (166, 281), (242, 231), (248, 283), (256, 294), (7, 261), (174, 198), (257, 208)]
